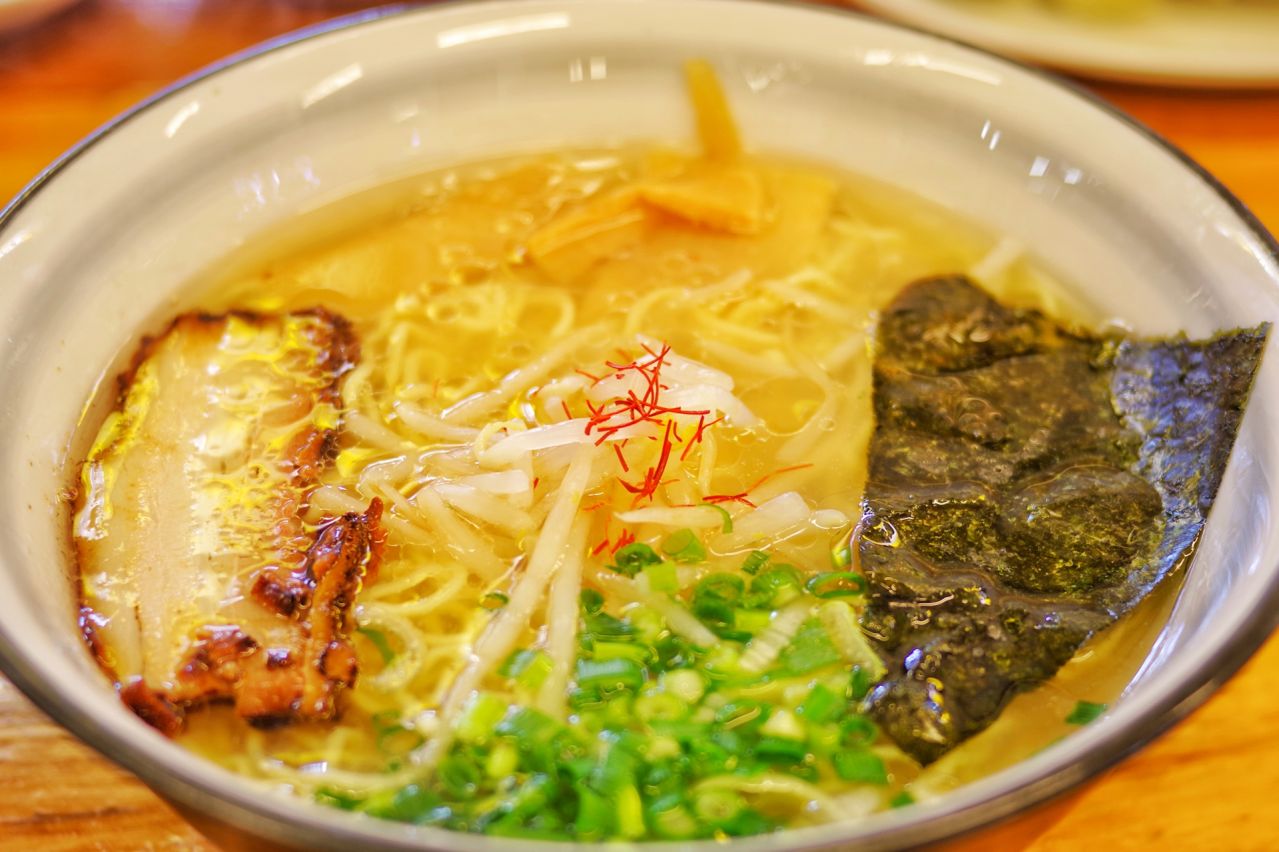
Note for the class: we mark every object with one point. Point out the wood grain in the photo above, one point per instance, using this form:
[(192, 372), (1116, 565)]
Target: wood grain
[(1209, 784)]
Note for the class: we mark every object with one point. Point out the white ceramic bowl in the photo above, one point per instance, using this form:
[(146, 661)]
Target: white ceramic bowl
[(94, 251)]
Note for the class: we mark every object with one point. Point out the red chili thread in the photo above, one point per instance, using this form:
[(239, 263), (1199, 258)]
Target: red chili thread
[(698, 434), (716, 499), (742, 496), (778, 472), (606, 420), (621, 459), (627, 537), (647, 488)]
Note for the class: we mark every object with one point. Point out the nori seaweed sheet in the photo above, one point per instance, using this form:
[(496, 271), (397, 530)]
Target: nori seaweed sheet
[(1028, 485)]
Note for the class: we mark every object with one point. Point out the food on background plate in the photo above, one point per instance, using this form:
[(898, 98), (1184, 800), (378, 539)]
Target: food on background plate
[(1125, 10), (588, 496)]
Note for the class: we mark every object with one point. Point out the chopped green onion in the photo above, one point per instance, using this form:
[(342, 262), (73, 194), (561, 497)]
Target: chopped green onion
[(661, 748), (527, 801), (387, 720), (609, 674), (855, 730), (728, 519), (715, 600), (594, 814), (836, 584), (860, 766), (781, 750), (661, 577), (684, 546), (646, 624), (527, 667), (748, 822), (380, 803), (411, 803), (751, 621), (578, 768), (1085, 712), (591, 600), (398, 740), (659, 705), (743, 713), (734, 744), (684, 684), (617, 770), (710, 758), (841, 557), (821, 705), (754, 561), (674, 651), (631, 558), (682, 731), (460, 777), (722, 659), (630, 813), (810, 649), (714, 611), (621, 651), (545, 745), (581, 699), (775, 587), (782, 723), (823, 738), (479, 718), (602, 626), (379, 640), (860, 683), (338, 799), (670, 819), (494, 600), (619, 709), (720, 586), (529, 728), (717, 806), (502, 761), (901, 800)]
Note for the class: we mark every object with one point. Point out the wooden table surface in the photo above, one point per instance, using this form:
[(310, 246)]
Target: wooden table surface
[(1209, 784)]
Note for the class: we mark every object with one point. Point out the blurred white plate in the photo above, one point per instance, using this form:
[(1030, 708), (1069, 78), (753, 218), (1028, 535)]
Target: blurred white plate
[(1204, 45), (19, 13)]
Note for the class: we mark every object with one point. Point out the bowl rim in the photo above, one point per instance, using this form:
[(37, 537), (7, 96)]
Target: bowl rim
[(248, 812)]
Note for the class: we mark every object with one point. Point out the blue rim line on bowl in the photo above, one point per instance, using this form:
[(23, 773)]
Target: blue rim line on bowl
[(941, 821)]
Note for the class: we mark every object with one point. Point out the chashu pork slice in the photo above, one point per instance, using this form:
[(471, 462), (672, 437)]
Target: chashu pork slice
[(200, 581)]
